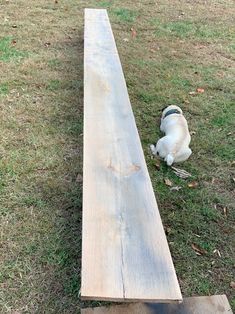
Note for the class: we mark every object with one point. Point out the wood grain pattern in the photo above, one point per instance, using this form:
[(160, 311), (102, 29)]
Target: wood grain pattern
[(217, 304), (125, 255)]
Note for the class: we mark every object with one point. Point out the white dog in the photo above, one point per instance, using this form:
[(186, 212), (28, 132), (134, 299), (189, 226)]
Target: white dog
[(174, 146)]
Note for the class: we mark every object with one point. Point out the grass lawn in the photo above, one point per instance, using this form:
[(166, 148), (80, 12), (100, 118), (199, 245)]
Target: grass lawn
[(168, 50)]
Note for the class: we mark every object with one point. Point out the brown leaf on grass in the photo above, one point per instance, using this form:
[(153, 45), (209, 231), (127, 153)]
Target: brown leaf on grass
[(200, 90), (225, 210), (158, 164), (167, 230), (232, 284), (198, 250), (181, 173), (133, 32), (79, 178), (168, 182), (222, 209), (193, 184)]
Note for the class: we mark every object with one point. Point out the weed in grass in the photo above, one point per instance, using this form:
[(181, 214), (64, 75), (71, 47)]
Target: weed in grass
[(54, 63), (203, 286), (72, 285), (180, 82), (53, 85), (8, 52), (125, 15), (34, 201), (105, 4), (209, 213), (146, 97), (4, 89)]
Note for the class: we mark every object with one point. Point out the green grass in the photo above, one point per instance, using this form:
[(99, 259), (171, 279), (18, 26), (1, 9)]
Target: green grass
[(41, 128), (4, 89), (104, 4), (7, 50), (125, 15), (187, 29), (53, 85)]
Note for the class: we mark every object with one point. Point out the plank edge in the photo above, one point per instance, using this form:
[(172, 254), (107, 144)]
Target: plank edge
[(131, 300)]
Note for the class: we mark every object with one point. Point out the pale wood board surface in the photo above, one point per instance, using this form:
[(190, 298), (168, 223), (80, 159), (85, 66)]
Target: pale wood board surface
[(217, 304), (125, 254)]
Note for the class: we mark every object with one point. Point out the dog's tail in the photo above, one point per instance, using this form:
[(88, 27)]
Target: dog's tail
[(169, 159)]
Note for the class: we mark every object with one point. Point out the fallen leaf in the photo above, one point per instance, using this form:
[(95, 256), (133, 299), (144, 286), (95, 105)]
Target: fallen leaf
[(176, 188), (232, 284), (220, 74), (200, 90), (133, 32), (225, 210), (168, 182), (79, 178), (181, 173), (158, 164), (229, 133), (193, 184), (47, 44), (192, 93), (198, 249), (167, 230), (217, 252), (14, 26)]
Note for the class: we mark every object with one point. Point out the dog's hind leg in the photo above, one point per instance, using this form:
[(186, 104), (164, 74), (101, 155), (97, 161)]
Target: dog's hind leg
[(184, 155)]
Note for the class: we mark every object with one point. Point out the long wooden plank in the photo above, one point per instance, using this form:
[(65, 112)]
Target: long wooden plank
[(217, 304), (125, 255)]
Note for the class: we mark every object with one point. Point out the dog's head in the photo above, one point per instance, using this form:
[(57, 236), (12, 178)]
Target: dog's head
[(171, 108)]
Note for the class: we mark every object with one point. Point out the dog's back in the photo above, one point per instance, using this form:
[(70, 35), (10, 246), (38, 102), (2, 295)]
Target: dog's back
[(174, 146)]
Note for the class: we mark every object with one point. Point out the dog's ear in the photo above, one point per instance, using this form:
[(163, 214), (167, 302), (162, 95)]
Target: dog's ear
[(165, 107)]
